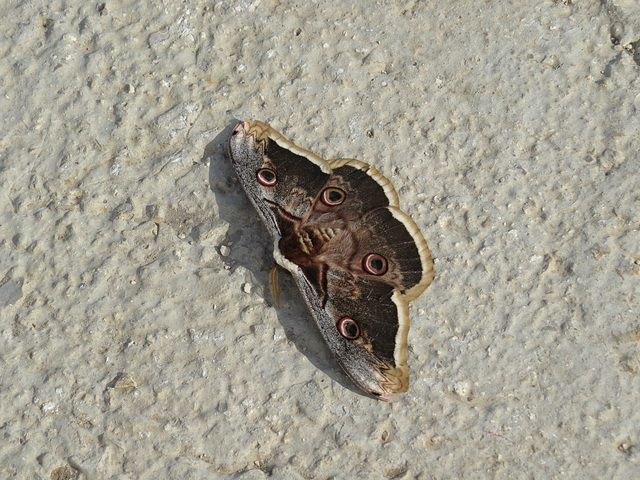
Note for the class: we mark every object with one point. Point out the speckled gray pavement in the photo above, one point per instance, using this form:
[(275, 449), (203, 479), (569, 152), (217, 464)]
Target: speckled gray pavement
[(138, 336)]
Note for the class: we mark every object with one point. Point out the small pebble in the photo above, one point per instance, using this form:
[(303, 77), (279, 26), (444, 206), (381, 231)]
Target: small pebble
[(125, 381)]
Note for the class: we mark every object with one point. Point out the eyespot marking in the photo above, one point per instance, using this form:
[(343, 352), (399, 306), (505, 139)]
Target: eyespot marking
[(266, 177), (375, 264), (332, 196), (348, 328)]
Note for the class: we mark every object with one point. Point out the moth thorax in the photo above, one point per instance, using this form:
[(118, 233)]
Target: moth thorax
[(312, 240)]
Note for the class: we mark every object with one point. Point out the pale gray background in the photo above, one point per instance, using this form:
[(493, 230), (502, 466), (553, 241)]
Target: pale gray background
[(138, 337)]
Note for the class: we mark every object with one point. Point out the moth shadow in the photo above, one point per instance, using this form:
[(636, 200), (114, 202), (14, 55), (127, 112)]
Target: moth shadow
[(251, 247)]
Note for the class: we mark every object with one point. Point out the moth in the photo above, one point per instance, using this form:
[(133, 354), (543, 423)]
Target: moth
[(355, 256)]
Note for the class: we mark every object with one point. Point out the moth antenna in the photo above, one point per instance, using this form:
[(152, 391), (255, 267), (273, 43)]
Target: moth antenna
[(274, 285)]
